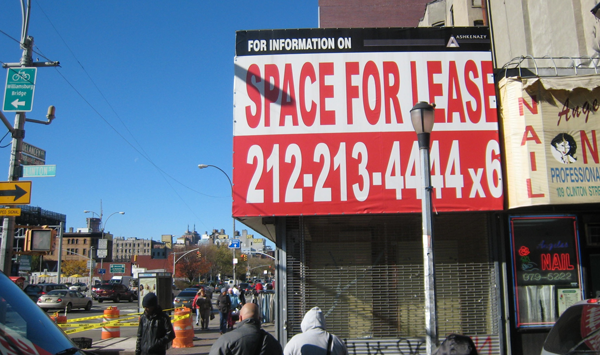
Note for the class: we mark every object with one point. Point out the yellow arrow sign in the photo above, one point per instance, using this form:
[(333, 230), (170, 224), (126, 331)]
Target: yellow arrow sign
[(15, 192)]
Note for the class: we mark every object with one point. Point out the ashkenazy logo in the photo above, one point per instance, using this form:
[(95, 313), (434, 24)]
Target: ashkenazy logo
[(454, 41), (458, 37)]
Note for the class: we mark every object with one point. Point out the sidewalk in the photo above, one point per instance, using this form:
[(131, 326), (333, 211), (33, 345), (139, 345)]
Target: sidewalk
[(203, 340)]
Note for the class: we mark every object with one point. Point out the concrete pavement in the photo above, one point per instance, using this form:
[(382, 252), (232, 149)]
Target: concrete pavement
[(203, 340)]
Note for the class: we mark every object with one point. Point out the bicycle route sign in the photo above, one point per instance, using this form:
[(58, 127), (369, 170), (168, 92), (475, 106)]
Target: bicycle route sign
[(20, 86)]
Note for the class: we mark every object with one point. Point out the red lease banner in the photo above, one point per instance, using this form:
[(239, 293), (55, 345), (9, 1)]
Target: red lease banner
[(330, 133)]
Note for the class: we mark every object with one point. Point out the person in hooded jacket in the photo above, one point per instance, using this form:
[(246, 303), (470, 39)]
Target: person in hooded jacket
[(314, 339), (457, 344), (155, 330), (248, 338)]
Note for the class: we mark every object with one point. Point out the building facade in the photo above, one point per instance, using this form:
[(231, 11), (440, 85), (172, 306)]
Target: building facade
[(370, 265), (125, 248)]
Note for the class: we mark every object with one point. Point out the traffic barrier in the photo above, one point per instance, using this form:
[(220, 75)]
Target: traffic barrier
[(112, 329), (58, 319), (184, 330)]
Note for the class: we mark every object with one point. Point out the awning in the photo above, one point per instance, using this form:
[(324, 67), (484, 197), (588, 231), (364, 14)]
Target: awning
[(569, 83)]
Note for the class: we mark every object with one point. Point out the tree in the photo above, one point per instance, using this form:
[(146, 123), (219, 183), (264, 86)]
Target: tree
[(72, 267), (257, 264), (188, 265)]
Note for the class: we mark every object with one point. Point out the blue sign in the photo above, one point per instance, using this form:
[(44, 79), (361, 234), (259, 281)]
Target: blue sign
[(102, 271), (235, 244), (39, 170)]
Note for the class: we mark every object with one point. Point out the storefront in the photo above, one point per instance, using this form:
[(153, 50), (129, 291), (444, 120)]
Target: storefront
[(553, 179)]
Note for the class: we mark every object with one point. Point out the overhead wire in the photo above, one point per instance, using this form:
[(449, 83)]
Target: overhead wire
[(141, 150)]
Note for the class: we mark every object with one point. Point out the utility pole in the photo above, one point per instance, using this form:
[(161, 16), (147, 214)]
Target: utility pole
[(18, 133)]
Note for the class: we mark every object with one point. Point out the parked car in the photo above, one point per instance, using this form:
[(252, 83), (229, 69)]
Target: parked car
[(78, 286), (115, 292), (64, 299), (185, 298), (26, 329), (34, 291), (576, 331), (246, 287)]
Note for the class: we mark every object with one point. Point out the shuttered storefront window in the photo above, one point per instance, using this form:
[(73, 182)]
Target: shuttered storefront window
[(366, 274)]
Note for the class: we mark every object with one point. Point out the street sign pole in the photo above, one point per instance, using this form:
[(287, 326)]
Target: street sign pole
[(18, 131), (8, 227)]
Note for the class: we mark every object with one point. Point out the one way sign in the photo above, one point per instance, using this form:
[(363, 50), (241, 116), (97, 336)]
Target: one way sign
[(15, 192)]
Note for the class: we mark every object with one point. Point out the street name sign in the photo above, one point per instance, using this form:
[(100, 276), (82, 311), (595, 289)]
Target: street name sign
[(33, 151), (29, 160), (235, 244), (10, 212), (117, 268), (15, 192), (30, 171), (19, 90)]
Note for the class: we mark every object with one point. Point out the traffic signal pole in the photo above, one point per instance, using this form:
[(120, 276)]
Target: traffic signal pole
[(18, 133)]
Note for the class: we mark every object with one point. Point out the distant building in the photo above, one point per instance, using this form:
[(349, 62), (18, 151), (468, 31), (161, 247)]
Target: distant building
[(250, 244), (125, 248), (160, 250)]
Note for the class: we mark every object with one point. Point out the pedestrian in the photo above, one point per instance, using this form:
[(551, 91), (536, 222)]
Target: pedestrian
[(259, 287), (241, 295), (195, 306), (224, 306), (155, 330), (457, 344), (314, 339), (204, 308), (248, 338), (233, 312)]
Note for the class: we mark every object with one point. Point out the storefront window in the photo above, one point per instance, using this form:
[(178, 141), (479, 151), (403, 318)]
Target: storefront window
[(546, 267)]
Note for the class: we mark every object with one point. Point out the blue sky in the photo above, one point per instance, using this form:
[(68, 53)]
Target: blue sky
[(143, 95)]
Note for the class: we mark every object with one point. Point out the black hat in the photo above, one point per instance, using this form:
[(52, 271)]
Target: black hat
[(150, 300)]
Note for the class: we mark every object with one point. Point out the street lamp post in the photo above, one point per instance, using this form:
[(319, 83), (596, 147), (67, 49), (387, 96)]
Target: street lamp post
[(103, 226), (422, 117), (175, 261), (204, 166)]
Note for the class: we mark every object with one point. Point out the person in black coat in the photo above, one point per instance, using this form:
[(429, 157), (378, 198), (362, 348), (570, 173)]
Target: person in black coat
[(155, 330), (224, 306), (248, 338)]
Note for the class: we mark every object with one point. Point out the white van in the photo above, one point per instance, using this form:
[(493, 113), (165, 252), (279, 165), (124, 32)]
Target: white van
[(577, 331), (124, 280)]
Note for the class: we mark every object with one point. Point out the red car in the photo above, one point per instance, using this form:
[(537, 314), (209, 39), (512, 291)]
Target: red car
[(114, 292)]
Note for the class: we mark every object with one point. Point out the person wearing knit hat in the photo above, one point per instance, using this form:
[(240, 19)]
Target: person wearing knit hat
[(224, 306), (155, 330)]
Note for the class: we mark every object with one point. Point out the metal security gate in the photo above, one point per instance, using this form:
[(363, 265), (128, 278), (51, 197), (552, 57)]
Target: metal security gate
[(366, 274)]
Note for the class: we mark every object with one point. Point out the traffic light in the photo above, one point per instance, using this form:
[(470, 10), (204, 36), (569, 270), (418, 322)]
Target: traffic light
[(39, 239), (244, 257), (199, 254)]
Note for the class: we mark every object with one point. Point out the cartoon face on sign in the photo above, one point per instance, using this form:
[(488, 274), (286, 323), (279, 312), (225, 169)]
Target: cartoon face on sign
[(563, 148)]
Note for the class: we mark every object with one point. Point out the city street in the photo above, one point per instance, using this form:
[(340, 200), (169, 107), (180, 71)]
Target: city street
[(125, 308)]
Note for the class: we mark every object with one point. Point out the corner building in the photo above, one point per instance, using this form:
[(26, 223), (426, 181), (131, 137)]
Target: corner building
[(326, 164)]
